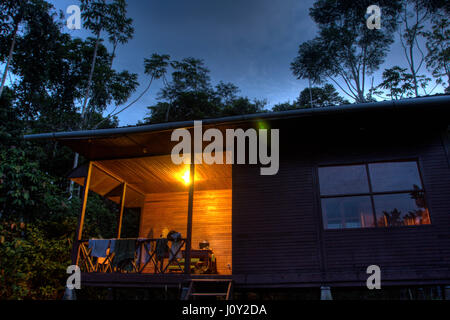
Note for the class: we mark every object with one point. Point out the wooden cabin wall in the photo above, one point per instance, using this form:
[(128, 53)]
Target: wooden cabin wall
[(404, 254), (211, 220), (164, 210), (275, 240), (278, 238)]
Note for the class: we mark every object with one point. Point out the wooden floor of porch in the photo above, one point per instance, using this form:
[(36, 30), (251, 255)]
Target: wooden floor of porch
[(131, 280)]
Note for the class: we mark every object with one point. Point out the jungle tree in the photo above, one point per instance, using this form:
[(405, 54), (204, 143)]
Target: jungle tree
[(345, 48)]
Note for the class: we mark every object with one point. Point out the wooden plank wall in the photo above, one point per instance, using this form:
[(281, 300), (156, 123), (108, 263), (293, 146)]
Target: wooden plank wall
[(211, 220), (274, 223), (403, 253), (278, 238)]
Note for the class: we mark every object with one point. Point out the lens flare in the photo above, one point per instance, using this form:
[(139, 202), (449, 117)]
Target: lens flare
[(186, 177)]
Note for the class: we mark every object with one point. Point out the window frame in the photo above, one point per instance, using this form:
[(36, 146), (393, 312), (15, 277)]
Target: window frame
[(371, 194)]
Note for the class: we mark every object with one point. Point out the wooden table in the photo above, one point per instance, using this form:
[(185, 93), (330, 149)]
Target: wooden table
[(202, 261)]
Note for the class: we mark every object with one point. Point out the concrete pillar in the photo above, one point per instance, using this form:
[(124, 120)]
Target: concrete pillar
[(111, 295), (420, 294), (184, 291), (325, 293), (447, 293), (69, 294), (439, 294)]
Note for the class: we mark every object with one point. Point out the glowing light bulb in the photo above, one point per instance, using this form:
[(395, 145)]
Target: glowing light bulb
[(186, 177)]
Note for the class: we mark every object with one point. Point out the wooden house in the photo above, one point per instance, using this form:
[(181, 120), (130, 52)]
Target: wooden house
[(358, 185)]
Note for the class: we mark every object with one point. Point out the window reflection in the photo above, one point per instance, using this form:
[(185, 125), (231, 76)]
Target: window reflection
[(347, 212), (405, 209), (393, 196), (343, 180), (394, 176)]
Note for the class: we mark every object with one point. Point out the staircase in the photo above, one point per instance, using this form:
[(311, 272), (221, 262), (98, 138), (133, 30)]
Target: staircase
[(192, 293)]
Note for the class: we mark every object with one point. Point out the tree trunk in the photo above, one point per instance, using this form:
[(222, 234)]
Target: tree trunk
[(167, 111), (88, 88), (75, 164), (136, 100), (361, 97), (413, 71), (447, 72), (113, 55), (11, 50), (85, 103), (310, 93)]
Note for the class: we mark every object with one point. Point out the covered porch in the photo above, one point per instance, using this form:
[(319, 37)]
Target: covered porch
[(172, 221)]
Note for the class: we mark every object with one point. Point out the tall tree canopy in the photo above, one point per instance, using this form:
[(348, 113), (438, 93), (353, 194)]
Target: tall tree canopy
[(346, 51), (438, 46), (14, 15), (325, 96), (99, 16), (189, 95), (52, 81), (414, 16), (49, 74), (398, 83)]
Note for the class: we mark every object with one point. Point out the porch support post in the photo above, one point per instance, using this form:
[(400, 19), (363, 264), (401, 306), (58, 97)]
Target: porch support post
[(187, 256), (79, 233), (122, 206), (325, 293)]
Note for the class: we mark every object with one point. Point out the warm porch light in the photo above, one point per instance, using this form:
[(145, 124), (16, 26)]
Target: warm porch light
[(186, 177)]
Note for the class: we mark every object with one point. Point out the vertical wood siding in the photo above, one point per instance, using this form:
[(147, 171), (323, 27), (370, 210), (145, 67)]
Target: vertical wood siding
[(274, 224), (277, 224), (211, 220), (409, 253)]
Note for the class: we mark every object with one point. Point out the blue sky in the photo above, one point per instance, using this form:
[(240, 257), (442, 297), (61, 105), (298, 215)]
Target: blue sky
[(250, 43)]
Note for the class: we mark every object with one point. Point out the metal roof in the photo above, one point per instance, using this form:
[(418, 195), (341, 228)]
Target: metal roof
[(409, 104), (155, 139)]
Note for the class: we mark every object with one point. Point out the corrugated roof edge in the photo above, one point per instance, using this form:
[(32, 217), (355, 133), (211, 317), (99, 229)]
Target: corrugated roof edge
[(383, 105)]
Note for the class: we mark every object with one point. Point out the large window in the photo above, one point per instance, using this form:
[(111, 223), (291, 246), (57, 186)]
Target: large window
[(382, 194)]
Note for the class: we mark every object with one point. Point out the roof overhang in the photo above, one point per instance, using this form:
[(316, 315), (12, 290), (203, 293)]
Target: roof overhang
[(155, 139)]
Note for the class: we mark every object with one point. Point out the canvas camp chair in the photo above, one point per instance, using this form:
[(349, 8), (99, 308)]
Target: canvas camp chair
[(86, 258), (105, 264), (148, 247), (176, 263), (126, 265)]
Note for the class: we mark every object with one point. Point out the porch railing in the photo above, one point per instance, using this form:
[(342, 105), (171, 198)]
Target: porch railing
[(150, 256)]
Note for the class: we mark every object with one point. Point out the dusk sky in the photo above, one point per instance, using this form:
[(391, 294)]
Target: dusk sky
[(250, 43)]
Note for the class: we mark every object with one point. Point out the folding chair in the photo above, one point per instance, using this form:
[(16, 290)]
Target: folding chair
[(105, 264), (86, 258), (151, 255), (174, 262)]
